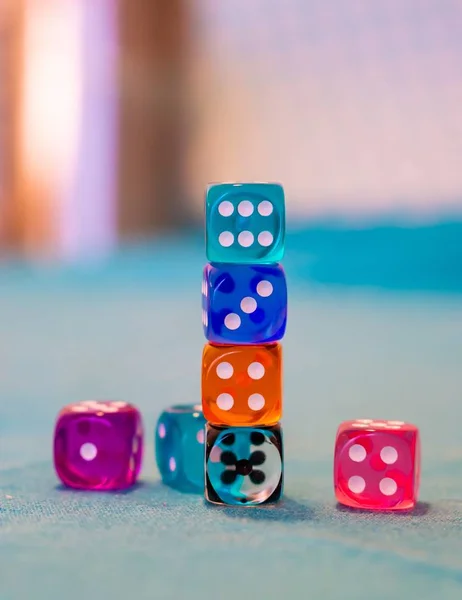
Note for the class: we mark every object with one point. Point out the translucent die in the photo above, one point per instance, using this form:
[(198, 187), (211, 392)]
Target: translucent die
[(377, 464), (245, 222), (180, 447), (244, 304), (98, 445), (244, 465), (242, 385)]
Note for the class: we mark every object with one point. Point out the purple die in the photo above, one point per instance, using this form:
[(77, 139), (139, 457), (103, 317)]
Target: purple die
[(244, 304), (98, 445)]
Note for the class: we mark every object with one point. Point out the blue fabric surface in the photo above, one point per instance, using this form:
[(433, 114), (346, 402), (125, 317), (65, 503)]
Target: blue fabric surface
[(132, 330)]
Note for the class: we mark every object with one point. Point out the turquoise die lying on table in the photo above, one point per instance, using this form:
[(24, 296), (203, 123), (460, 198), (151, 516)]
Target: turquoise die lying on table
[(180, 443), (245, 223)]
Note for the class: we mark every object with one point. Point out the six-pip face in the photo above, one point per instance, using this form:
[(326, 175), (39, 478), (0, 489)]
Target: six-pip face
[(245, 223)]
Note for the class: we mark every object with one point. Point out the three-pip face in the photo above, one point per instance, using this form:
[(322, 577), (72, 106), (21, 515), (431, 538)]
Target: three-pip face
[(245, 223), (244, 304)]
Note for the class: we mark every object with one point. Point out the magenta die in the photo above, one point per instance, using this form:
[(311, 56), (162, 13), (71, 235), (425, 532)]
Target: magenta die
[(98, 445)]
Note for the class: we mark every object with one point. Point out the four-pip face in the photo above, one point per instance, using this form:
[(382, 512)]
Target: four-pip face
[(377, 464), (245, 223), (242, 385)]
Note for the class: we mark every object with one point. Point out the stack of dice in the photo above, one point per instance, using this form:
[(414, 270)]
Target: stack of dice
[(244, 302)]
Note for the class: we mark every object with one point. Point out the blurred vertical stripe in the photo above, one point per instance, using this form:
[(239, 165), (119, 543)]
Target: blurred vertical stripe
[(52, 82), (154, 40), (11, 21), (88, 219), (44, 62)]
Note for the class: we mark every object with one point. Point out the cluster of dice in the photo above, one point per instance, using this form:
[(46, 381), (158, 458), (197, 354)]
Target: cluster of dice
[(230, 448)]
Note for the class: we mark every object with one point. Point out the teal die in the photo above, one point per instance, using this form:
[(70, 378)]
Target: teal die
[(245, 223), (180, 436)]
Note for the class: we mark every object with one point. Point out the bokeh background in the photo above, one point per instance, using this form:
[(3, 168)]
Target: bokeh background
[(115, 114)]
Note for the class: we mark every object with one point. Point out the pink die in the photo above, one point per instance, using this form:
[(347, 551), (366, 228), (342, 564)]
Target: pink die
[(98, 445), (377, 464)]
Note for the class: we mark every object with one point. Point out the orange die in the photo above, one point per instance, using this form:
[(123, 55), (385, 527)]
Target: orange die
[(242, 385)]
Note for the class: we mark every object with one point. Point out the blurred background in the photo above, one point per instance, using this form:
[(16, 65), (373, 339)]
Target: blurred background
[(115, 114)]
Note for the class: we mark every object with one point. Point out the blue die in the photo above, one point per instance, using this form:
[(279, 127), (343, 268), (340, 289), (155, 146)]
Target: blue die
[(244, 304), (180, 447), (245, 223), (243, 465)]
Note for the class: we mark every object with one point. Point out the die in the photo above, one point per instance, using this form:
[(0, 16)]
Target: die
[(245, 222), (242, 385), (377, 464), (244, 465), (244, 304), (98, 445), (180, 448)]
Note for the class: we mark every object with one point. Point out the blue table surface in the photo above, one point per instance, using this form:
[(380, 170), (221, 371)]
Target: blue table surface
[(365, 339)]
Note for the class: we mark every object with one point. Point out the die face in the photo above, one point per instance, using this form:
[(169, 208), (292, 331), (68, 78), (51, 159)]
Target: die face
[(180, 447), (244, 304), (98, 445), (245, 223), (242, 385), (244, 466), (377, 465)]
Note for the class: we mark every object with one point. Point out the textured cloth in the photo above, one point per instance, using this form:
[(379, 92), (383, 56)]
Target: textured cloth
[(131, 330)]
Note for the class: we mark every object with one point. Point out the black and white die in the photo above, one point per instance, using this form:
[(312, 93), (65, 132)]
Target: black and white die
[(244, 465)]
